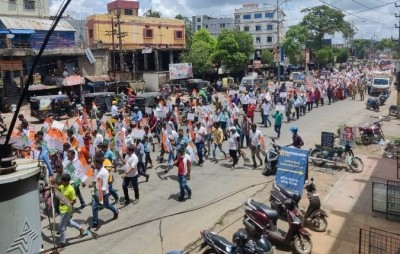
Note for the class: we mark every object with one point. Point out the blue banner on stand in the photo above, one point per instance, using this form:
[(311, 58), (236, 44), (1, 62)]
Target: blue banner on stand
[(292, 167)]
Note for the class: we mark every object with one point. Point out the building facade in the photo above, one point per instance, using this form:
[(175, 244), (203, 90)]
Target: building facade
[(25, 8), (262, 22), (147, 43), (213, 25)]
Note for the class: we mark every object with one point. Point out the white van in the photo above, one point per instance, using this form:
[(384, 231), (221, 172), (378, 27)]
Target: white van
[(380, 84)]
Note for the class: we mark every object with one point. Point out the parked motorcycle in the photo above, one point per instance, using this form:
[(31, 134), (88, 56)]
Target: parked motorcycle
[(371, 133), (271, 160), (241, 243), (259, 219), (373, 103), (314, 214), (278, 197), (393, 110), (383, 97), (339, 154)]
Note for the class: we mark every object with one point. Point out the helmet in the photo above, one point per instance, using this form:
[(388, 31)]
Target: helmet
[(294, 129)]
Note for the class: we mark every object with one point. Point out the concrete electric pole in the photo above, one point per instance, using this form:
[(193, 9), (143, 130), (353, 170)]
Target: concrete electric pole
[(120, 36), (112, 33), (398, 65)]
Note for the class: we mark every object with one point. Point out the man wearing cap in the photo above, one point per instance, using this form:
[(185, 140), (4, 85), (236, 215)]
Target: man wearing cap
[(297, 140), (131, 175)]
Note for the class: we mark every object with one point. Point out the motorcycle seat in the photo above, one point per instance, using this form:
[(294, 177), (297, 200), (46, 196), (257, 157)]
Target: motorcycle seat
[(292, 195), (271, 213), (223, 243)]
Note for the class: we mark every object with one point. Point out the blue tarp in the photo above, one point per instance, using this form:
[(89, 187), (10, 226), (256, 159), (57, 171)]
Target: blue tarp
[(22, 31), (4, 32)]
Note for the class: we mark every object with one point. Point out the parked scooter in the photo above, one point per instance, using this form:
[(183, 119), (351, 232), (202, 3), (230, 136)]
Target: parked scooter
[(371, 133), (314, 214), (259, 218), (373, 103), (393, 110), (241, 243), (278, 197), (271, 159), (383, 97)]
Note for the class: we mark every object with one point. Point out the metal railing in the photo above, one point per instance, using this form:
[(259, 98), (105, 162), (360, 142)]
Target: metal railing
[(378, 241)]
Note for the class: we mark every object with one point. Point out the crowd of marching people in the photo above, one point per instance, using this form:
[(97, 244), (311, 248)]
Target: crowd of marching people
[(188, 133)]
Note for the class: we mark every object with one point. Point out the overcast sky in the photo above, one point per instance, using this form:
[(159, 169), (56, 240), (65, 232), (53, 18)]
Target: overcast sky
[(364, 14)]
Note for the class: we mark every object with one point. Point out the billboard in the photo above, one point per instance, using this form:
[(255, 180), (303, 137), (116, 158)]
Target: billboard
[(180, 71)]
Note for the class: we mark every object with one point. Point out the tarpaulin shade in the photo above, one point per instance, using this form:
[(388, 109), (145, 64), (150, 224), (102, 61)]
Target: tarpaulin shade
[(22, 31)]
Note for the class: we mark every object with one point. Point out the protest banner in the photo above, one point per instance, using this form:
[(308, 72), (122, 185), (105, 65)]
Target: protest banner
[(283, 94), (280, 107), (148, 110), (348, 135), (138, 133), (160, 113), (58, 125), (291, 169), (190, 117)]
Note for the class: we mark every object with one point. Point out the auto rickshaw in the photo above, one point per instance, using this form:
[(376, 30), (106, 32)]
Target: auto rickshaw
[(148, 100), (52, 105), (102, 100)]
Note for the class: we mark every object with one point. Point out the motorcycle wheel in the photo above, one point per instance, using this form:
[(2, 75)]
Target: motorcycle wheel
[(393, 112), (388, 155), (267, 169), (320, 223), (316, 153), (366, 140), (377, 108), (303, 244), (357, 165)]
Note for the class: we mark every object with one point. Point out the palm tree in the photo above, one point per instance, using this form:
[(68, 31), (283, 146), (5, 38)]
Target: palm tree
[(153, 14), (188, 30)]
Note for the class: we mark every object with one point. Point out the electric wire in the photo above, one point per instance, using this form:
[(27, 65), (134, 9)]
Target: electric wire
[(207, 204)]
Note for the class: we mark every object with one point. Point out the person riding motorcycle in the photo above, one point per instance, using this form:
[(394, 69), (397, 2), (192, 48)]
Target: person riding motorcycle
[(297, 140)]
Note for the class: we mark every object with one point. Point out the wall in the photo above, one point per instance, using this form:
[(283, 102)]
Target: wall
[(154, 80), (17, 8), (100, 67), (133, 26)]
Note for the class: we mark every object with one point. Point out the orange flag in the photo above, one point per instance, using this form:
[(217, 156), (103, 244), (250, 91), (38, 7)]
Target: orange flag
[(164, 141)]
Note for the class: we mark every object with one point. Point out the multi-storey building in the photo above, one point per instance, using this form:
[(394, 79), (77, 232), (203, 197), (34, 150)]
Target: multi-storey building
[(213, 25), (262, 22), (25, 8), (143, 43)]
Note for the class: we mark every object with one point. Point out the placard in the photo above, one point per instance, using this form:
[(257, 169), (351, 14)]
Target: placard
[(92, 150), (233, 92), (148, 110), (291, 169), (253, 101), (283, 94), (242, 88), (190, 117), (280, 107), (80, 170), (57, 144), (160, 113), (138, 133), (348, 135), (327, 140), (58, 125)]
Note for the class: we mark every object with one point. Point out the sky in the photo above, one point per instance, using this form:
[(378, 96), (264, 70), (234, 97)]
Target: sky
[(371, 18)]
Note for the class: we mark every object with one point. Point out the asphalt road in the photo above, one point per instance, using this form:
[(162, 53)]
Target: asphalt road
[(137, 230)]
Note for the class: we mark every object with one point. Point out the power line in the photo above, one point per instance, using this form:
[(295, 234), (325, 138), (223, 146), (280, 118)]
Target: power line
[(376, 7)]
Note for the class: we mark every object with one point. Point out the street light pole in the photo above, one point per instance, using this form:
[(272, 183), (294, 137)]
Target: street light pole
[(278, 42)]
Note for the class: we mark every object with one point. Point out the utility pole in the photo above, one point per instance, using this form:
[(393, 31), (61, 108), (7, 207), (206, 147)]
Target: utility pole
[(120, 36), (278, 42), (397, 66), (112, 33)]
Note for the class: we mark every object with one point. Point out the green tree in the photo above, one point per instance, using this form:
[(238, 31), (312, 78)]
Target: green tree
[(386, 43), (341, 55), (200, 52), (232, 50), (153, 14), (324, 56), (188, 30), (295, 37), (323, 20), (267, 57)]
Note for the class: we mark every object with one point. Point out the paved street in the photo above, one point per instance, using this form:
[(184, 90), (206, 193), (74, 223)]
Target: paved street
[(131, 234)]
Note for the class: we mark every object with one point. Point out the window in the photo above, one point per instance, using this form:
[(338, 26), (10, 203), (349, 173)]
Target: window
[(246, 29), (198, 27), (258, 28), (128, 12), (29, 5), (206, 26), (258, 40), (199, 20), (222, 25), (269, 39), (90, 33), (258, 16), (148, 33), (269, 27), (178, 34), (247, 16), (269, 15)]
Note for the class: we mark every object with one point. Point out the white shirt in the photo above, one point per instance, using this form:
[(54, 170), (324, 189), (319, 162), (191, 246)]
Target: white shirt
[(103, 175), (131, 162), (233, 143), (245, 99), (266, 108), (114, 110), (98, 140), (255, 137), (199, 134)]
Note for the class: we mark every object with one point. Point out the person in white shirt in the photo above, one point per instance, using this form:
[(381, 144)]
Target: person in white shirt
[(200, 135), (98, 139), (245, 101), (131, 175), (266, 107), (101, 176), (255, 142), (114, 109), (234, 145)]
